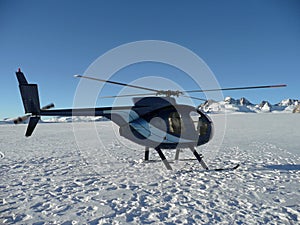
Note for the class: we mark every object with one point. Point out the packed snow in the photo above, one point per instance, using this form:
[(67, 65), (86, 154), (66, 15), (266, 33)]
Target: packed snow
[(85, 173)]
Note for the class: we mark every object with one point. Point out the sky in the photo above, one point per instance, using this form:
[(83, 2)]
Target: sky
[(244, 43)]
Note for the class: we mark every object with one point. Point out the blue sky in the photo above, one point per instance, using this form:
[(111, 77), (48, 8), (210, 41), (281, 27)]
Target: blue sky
[(243, 42)]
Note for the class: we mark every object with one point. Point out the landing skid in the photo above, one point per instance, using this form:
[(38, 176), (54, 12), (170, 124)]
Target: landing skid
[(227, 168), (198, 156)]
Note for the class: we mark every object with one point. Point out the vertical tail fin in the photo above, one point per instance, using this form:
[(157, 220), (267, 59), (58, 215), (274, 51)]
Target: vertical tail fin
[(29, 94), (31, 102)]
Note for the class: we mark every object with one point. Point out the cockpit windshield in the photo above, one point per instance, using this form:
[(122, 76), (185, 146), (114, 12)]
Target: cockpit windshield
[(183, 122)]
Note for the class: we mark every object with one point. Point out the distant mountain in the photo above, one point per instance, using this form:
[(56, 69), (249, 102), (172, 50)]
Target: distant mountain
[(288, 102), (297, 109), (59, 119), (231, 105), (6, 121)]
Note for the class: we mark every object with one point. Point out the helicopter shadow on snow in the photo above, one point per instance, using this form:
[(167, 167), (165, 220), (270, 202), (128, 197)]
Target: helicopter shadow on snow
[(284, 167), (271, 167)]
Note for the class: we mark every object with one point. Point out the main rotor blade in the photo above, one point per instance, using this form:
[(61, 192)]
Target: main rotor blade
[(129, 95), (239, 88), (117, 83), (201, 99)]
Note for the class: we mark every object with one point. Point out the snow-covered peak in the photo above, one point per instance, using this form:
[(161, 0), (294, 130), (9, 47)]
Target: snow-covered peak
[(265, 106), (241, 101), (229, 100), (288, 102), (244, 101)]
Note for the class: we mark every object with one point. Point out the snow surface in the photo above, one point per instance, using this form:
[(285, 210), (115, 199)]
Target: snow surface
[(100, 178)]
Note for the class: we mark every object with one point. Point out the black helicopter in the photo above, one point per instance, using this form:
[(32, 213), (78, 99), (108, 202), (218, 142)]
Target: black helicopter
[(153, 121)]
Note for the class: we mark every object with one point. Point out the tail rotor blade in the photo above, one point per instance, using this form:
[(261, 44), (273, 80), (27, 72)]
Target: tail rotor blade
[(21, 119), (49, 106)]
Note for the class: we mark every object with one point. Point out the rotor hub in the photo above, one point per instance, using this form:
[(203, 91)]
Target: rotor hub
[(169, 93)]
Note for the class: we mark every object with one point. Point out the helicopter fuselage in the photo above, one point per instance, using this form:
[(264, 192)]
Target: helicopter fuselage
[(160, 122), (152, 122)]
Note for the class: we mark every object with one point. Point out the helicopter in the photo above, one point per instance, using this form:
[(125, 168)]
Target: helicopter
[(154, 121)]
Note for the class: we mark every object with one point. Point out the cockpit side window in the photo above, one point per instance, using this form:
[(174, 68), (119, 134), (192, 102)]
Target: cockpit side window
[(202, 126), (201, 123), (175, 123)]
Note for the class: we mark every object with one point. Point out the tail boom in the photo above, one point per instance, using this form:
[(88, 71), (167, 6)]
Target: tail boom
[(31, 103)]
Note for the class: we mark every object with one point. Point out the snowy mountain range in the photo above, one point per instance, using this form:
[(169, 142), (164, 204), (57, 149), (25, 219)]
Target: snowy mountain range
[(242, 105), (59, 119)]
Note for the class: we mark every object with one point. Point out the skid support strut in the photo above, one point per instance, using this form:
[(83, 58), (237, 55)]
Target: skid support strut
[(199, 158), (177, 153), (163, 158), (146, 153)]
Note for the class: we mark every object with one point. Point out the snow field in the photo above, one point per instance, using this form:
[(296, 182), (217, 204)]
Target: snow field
[(47, 179)]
